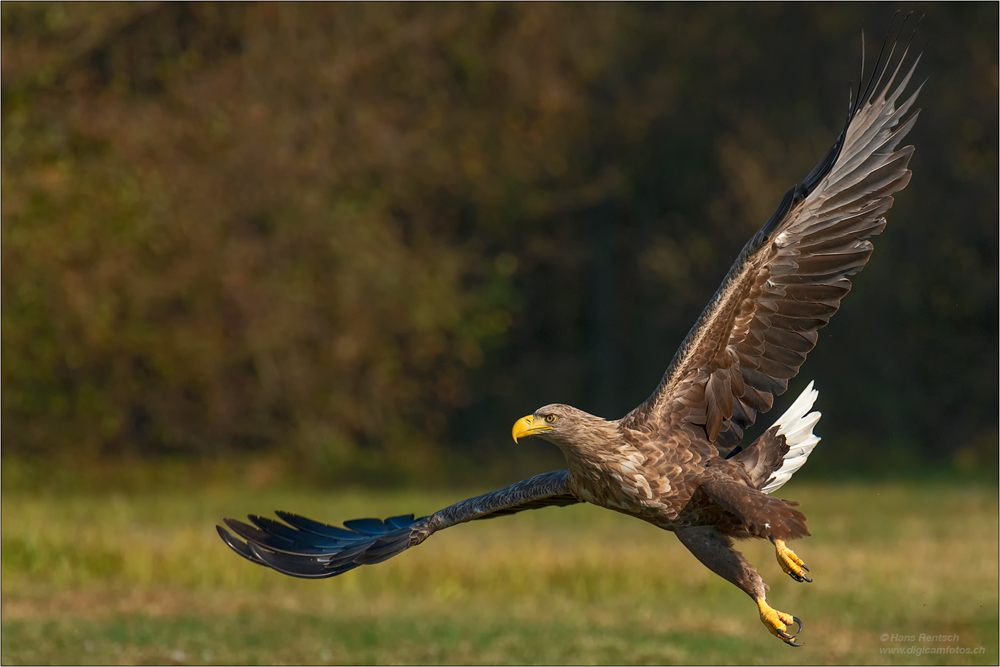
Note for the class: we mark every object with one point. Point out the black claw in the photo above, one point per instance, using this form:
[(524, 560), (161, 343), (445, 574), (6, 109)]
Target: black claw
[(800, 577), (805, 568), (788, 639)]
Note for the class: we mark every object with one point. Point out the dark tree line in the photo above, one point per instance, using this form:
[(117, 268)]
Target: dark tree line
[(370, 236)]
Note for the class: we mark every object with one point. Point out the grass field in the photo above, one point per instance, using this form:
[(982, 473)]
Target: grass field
[(141, 577)]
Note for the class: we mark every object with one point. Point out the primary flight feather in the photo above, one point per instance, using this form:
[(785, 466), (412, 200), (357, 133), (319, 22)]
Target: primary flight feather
[(676, 460)]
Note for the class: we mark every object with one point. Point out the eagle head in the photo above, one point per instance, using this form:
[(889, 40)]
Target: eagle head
[(565, 426)]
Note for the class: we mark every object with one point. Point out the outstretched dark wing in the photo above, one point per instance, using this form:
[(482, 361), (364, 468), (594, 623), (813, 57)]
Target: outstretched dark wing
[(791, 276), (301, 547)]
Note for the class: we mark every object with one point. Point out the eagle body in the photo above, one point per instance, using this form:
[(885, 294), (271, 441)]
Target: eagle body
[(678, 460), (664, 478)]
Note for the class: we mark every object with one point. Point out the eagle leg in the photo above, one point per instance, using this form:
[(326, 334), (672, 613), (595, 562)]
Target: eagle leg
[(789, 562), (716, 552), (777, 622)]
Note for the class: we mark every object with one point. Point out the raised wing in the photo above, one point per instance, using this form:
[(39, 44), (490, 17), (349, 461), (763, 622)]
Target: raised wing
[(791, 276), (304, 548)]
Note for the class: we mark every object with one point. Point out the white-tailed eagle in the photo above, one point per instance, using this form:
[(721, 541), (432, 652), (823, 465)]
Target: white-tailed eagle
[(676, 460)]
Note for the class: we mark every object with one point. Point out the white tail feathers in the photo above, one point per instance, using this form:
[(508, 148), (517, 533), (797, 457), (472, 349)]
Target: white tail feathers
[(797, 428)]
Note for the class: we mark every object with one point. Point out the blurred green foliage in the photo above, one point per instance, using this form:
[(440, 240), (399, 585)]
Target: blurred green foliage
[(362, 236)]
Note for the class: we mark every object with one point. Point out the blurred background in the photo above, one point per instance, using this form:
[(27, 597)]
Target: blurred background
[(364, 239), (320, 257)]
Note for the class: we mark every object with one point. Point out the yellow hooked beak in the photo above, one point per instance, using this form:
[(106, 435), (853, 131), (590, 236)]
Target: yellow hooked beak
[(524, 427)]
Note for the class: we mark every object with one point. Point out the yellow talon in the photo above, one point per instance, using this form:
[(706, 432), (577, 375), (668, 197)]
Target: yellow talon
[(790, 563), (777, 622)]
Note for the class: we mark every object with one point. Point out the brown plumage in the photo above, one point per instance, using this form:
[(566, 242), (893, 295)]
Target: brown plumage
[(675, 460)]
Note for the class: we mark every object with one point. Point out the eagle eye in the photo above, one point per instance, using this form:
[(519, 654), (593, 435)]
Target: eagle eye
[(550, 418)]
